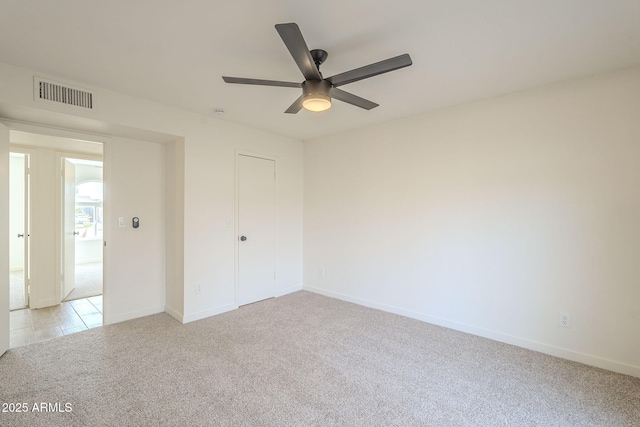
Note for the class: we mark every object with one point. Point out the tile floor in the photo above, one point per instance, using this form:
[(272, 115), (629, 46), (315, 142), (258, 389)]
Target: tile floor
[(29, 326)]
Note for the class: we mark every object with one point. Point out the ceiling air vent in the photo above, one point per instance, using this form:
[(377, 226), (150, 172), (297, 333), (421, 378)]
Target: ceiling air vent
[(48, 91)]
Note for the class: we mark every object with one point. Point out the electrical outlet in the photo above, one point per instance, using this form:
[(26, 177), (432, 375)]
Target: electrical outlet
[(564, 320), (198, 288), (321, 272)]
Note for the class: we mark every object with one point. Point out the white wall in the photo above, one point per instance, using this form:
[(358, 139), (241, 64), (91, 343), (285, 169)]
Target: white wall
[(174, 238), (209, 200), (492, 218), (197, 211), (135, 285)]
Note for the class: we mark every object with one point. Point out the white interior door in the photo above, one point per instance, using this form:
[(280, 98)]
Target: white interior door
[(18, 230), (256, 227), (4, 239), (69, 229)]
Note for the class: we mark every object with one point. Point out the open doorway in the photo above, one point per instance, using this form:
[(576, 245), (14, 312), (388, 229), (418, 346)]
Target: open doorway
[(49, 299), (83, 227)]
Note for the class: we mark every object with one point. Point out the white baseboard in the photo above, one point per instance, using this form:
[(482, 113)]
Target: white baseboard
[(222, 309), (208, 313), (173, 313), (282, 292), (117, 318), (552, 350)]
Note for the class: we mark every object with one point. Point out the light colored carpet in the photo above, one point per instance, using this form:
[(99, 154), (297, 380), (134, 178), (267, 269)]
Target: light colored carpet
[(88, 281), (305, 359), (16, 293)]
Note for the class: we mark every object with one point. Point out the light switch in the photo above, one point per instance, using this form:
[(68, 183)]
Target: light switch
[(121, 223)]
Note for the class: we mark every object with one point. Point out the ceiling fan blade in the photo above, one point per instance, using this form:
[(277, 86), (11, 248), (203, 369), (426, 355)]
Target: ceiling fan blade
[(244, 81), (292, 38), (352, 99), (295, 107), (371, 70)]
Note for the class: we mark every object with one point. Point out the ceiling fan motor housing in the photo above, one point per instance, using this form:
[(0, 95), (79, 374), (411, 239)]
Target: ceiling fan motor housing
[(316, 95), (319, 56)]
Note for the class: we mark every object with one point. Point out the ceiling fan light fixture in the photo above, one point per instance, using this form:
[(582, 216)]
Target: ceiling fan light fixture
[(316, 102), (316, 95)]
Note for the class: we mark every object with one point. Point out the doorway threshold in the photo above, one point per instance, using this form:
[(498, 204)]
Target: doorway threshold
[(31, 326)]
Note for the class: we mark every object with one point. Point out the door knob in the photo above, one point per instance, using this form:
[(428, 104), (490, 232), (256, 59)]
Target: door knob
[(243, 238), (20, 235), (75, 233)]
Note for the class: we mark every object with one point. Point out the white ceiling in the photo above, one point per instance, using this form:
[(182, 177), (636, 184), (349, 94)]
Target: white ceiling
[(176, 52)]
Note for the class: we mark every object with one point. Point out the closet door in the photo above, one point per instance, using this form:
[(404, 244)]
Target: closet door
[(256, 227)]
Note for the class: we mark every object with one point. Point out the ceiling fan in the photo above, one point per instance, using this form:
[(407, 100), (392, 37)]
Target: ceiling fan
[(318, 91)]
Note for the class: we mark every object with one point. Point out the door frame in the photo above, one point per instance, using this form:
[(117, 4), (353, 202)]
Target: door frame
[(5, 321), (60, 155), (107, 155), (236, 229)]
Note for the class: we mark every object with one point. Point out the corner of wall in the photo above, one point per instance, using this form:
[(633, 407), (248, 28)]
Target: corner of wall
[(174, 291)]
